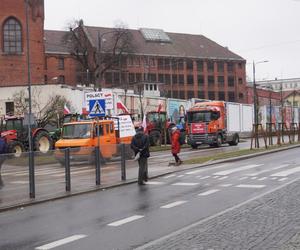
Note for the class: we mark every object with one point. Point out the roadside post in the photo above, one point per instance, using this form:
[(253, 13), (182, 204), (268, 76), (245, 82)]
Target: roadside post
[(123, 162), (67, 170)]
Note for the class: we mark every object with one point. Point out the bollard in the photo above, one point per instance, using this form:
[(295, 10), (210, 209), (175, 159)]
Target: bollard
[(67, 170), (31, 176), (123, 162), (97, 162)]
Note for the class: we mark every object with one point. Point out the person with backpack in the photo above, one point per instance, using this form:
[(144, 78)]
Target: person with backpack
[(175, 140), (140, 145)]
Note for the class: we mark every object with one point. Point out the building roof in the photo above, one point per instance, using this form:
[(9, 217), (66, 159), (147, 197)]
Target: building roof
[(181, 45), (55, 42)]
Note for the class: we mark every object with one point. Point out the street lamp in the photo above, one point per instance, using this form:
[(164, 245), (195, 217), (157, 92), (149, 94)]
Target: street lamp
[(255, 102)]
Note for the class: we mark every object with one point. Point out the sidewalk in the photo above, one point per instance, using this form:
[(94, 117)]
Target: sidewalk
[(48, 188), (269, 222)]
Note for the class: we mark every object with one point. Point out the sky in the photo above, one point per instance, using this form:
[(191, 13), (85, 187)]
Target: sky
[(257, 30)]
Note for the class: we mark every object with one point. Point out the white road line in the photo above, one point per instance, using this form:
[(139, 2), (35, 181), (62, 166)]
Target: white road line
[(283, 179), (169, 176), (202, 170), (250, 186), (126, 220), (254, 178), (234, 170), (215, 177), (154, 183), (263, 178), (185, 184), (226, 185), (223, 178), (179, 176), (61, 242), (287, 172), (243, 178), (173, 204), (268, 170), (209, 192), (274, 178), (204, 177)]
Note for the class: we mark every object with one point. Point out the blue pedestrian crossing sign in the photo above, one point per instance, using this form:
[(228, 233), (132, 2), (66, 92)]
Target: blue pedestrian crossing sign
[(97, 108)]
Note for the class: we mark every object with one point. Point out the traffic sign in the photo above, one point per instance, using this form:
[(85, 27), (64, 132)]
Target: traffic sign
[(97, 108)]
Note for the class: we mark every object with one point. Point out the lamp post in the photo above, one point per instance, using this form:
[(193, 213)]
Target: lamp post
[(255, 102), (31, 155)]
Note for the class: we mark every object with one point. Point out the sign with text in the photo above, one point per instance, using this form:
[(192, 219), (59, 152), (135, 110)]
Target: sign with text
[(106, 95)]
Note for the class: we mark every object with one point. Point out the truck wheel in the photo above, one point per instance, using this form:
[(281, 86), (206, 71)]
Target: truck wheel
[(234, 141), (43, 142), (154, 138), (218, 142), (194, 146), (16, 148)]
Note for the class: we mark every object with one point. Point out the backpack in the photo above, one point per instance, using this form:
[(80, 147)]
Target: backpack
[(182, 138)]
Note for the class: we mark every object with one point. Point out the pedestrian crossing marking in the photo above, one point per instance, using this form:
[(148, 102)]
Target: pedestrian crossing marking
[(226, 185), (212, 191), (267, 170), (234, 170), (250, 186), (154, 183), (263, 178), (174, 204), (126, 220), (185, 184), (287, 172)]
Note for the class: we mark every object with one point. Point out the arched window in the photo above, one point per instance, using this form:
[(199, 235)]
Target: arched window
[(12, 36)]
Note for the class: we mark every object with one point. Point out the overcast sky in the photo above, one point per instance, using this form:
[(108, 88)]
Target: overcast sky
[(257, 30)]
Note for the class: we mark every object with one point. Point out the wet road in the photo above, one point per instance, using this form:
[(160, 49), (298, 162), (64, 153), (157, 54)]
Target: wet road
[(130, 216)]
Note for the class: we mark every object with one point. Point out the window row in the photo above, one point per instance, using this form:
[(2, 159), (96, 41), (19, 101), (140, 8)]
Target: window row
[(211, 95)]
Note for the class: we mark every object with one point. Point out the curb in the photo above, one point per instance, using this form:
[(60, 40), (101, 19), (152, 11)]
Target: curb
[(105, 187)]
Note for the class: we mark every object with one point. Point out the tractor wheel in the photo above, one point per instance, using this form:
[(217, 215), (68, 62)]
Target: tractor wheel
[(42, 142), (16, 148), (154, 138)]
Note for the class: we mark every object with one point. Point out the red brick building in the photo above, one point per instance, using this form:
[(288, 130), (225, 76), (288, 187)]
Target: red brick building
[(183, 65)]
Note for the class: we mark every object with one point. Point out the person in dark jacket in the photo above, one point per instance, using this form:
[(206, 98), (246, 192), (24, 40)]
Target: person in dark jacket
[(3, 150), (175, 145), (140, 144)]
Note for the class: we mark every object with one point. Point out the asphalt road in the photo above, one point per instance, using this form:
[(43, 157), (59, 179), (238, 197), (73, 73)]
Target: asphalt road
[(130, 216)]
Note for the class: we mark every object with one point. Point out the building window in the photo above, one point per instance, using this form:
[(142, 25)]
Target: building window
[(175, 94), (61, 79), (190, 79), (210, 66), (174, 64), (180, 64), (240, 80), (181, 79), (152, 77), (61, 63), (167, 64), (189, 64), (130, 61), (231, 97), (230, 81), (201, 95), (137, 61), (131, 77), (138, 77), (230, 67), (211, 80), (160, 63), (221, 96), (200, 80), (12, 36), (190, 94), (116, 78), (108, 77), (241, 95), (167, 79), (200, 66), (211, 95), (221, 80), (174, 79), (181, 95), (152, 62), (220, 67), (155, 87), (240, 65), (9, 108), (161, 78)]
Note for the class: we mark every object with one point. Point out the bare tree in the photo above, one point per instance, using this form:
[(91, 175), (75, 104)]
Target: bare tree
[(109, 54)]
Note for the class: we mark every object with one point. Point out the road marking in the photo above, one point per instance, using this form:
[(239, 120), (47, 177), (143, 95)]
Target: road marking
[(126, 220), (274, 178), (268, 170), (19, 182), (209, 192), (154, 183), (243, 178), (204, 177), (179, 176), (226, 185), (215, 177), (287, 172), (223, 178), (263, 178), (254, 178), (283, 179), (173, 204), (234, 170), (61, 242), (169, 176), (250, 186), (202, 170), (75, 173), (185, 184)]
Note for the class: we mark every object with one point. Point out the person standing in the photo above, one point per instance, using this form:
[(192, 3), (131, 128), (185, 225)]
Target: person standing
[(3, 150), (175, 145), (140, 144)]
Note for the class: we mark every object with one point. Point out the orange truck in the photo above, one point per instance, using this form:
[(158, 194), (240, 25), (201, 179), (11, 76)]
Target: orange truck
[(83, 136), (213, 123)]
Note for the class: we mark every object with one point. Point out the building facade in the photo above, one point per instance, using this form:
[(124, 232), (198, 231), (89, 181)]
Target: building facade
[(178, 65)]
